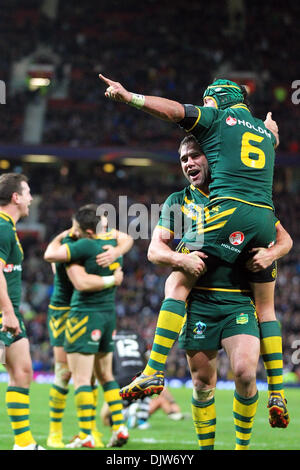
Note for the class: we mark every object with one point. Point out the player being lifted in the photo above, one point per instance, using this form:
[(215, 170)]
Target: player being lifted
[(15, 199), (91, 322), (214, 307), (239, 215)]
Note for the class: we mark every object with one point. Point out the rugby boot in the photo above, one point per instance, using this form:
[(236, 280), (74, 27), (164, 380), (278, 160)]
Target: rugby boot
[(278, 413), (143, 385)]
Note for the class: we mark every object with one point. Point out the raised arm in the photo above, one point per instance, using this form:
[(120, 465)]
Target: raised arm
[(83, 281), (55, 251), (160, 252), (162, 108)]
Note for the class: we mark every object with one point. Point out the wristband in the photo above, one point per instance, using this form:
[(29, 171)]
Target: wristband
[(108, 281), (137, 101)]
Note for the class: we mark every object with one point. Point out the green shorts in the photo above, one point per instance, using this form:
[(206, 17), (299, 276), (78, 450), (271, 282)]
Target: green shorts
[(8, 338), (90, 332), (208, 322), (230, 228), (57, 318)]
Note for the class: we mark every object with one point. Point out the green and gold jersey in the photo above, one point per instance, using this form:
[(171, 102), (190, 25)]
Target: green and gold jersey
[(239, 149), (62, 286), (182, 211), (84, 252), (11, 254)]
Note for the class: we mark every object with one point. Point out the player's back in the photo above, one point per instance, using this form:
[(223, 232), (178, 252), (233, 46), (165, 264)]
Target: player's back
[(129, 355), (240, 152), (245, 165), (84, 252)]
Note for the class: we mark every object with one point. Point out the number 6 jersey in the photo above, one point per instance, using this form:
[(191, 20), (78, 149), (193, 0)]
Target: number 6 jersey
[(239, 149)]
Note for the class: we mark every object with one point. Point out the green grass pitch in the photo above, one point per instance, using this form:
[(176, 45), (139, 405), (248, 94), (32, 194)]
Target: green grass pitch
[(165, 434)]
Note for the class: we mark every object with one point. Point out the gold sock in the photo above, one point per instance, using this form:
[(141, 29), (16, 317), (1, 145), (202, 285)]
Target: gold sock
[(17, 403), (115, 403), (244, 410)]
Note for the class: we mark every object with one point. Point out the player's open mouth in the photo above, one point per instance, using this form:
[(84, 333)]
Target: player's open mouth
[(193, 174)]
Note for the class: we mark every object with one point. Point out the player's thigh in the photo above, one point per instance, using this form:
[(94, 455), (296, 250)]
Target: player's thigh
[(103, 365), (243, 352), (18, 363), (178, 285), (60, 354), (203, 367), (81, 367)]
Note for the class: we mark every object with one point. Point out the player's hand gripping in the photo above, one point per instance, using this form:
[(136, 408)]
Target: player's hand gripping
[(193, 263), (106, 258), (115, 91), (10, 323), (119, 276), (262, 259)]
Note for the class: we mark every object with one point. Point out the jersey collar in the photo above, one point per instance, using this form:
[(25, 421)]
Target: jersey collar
[(4, 215), (193, 188)]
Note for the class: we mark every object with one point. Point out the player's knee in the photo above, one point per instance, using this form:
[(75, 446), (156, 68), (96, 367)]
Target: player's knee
[(244, 373), (21, 376), (175, 289), (62, 374), (203, 393)]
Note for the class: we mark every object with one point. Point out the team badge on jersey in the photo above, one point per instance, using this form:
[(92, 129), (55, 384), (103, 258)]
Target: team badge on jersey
[(199, 330), (236, 238), (231, 121), (96, 335), (242, 319)]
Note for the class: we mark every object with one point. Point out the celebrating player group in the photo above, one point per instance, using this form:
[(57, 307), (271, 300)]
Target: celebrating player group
[(219, 295)]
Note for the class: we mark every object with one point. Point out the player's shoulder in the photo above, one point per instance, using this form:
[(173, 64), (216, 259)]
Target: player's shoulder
[(6, 227), (176, 197), (70, 238)]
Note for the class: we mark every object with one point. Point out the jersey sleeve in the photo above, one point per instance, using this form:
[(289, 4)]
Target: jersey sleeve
[(6, 235), (198, 118), (78, 251)]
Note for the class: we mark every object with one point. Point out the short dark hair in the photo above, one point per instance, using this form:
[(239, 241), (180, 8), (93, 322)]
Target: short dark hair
[(87, 218), (10, 183), (189, 139)]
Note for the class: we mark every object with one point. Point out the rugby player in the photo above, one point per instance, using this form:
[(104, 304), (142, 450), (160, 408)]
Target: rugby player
[(239, 214), (15, 199), (58, 311), (91, 323)]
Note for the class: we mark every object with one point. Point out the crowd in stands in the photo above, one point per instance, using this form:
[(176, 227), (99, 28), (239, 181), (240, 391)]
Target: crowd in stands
[(175, 54), (156, 48)]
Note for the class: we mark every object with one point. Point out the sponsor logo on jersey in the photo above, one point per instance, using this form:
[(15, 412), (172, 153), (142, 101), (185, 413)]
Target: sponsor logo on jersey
[(242, 319), (96, 335), (259, 129), (231, 121), (199, 330), (236, 238), (9, 268)]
